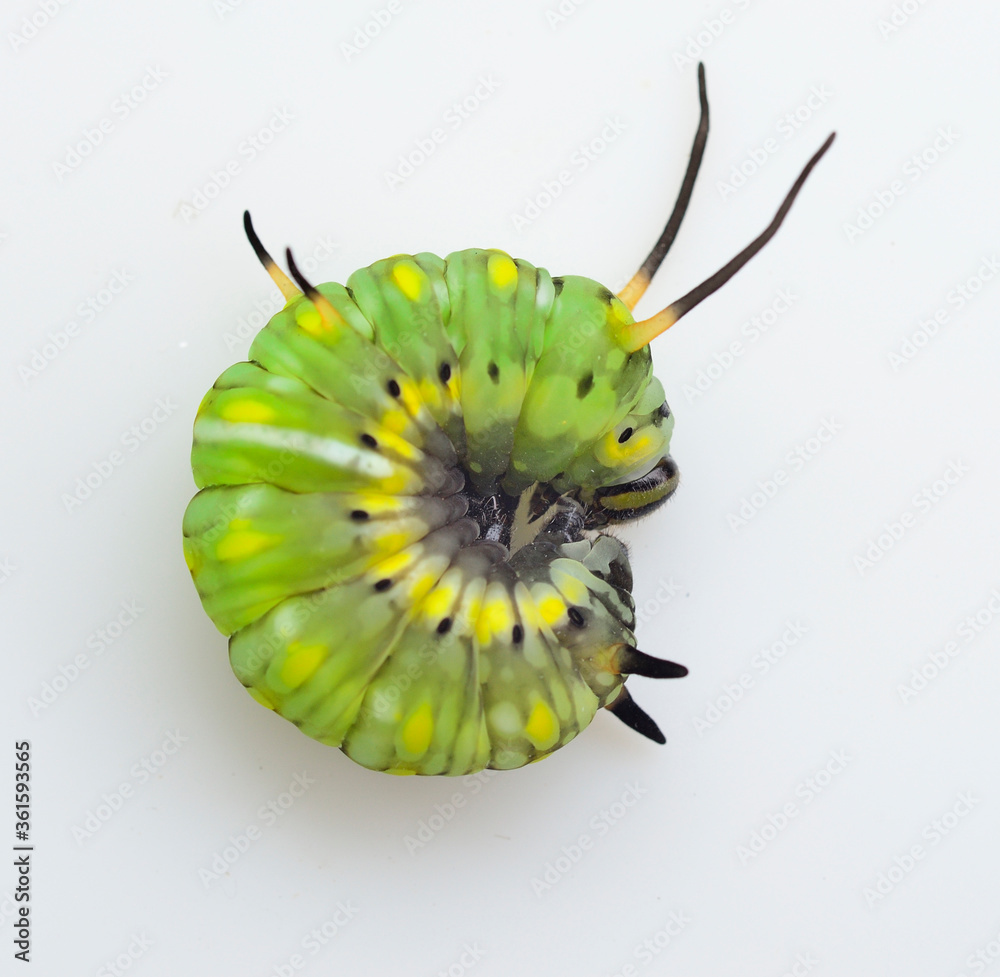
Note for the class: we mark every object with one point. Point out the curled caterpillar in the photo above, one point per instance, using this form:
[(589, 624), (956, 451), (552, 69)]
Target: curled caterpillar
[(402, 498)]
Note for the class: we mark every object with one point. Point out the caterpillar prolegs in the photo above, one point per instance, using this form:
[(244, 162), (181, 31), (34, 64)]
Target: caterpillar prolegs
[(402, 498)]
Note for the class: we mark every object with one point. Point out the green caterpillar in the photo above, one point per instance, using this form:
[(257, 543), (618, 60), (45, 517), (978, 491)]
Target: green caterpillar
[(402, 495)]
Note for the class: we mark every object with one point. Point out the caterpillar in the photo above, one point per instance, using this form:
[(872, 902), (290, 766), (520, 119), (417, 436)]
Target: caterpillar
[(405, 497)]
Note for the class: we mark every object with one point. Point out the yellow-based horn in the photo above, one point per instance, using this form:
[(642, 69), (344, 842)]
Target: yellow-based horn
[(285, 285)]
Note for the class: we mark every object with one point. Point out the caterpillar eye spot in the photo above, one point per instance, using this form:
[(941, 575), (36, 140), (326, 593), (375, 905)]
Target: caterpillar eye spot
[(461, 527)]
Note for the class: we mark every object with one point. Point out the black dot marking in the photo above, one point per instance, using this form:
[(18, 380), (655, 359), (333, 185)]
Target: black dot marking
[(557, 284), (494, 371), (575, 617), (383, 584), (518, 634), (606, 296), (393, 388), (359, 515), (445, 372), (368, 441), (444, 625), (625, 435), (585, 385), (664, 410)]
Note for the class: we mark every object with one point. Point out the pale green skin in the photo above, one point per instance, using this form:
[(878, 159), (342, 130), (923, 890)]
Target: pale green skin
[(540, 391)]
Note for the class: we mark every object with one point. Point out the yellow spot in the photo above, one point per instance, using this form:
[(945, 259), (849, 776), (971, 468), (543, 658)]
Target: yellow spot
[(614, 454), (409, 396), (415, 736), (241, 543), (502, 270), (309, 320), (399, 445), (389, 543), (247, 412), (439, 602), (574, 590), (402, 481), (396, 421), (374, 502), (409, 279), (393, 564), (420, 586), (494, 619), (262, 697), (618, 314), (301, 663), (542, 726), (430, 392), (551, 608)]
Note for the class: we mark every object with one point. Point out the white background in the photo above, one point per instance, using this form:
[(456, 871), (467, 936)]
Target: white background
[(824, 891)]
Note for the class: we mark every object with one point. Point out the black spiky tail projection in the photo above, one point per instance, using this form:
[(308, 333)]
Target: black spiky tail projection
[(625, 708), (630, 661)]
